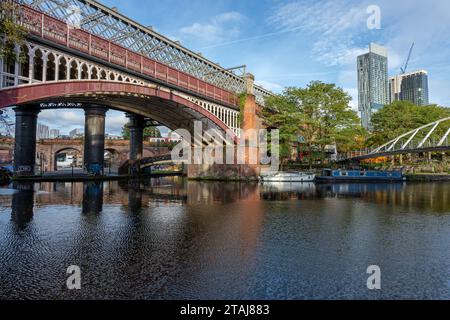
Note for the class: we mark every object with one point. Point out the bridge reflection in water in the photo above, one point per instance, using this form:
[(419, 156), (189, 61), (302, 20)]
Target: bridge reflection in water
[(169, 238)]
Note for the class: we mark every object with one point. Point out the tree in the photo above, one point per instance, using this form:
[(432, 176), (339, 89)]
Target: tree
[(12, 32), (400, 117), (149, 132), (280, 113), (319, 113)]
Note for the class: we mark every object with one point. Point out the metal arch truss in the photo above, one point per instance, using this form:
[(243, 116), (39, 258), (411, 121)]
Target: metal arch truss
[(434, 136), (418, 138), (108, 23)]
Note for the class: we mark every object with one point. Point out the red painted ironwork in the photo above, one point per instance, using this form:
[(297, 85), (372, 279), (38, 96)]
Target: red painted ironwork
[(79, 40), (49, 28), (43, 91)]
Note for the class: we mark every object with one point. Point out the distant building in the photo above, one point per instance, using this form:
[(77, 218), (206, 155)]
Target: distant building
[(373, 88), (412, 86), (76, 133), (42, 131), (395, 88), (112, 137), (174, 137), (164, 140), (54, 133)]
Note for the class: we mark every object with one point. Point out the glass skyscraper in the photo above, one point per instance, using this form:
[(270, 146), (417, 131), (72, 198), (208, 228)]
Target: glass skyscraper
[(414, 88), (373, 87)]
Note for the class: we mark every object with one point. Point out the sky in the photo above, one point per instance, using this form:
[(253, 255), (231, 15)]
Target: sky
[(290, 43)]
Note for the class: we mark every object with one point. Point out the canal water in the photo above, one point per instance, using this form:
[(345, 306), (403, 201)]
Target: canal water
[(170, 238)]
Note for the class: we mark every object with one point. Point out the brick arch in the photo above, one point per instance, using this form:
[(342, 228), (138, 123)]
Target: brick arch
[(55, 166), (119, 156), (42, 92)]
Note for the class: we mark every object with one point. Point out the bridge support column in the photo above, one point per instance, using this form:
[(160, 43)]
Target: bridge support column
[(25, 140), (136, 126), (94, 139), (237, 171)]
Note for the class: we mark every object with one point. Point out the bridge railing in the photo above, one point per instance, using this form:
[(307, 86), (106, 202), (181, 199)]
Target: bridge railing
[(11, 80), (434, 135), (412, 146), (48, 28)]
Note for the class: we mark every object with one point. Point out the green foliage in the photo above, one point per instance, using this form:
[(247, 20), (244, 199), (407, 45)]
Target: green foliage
[(11, 31), (400, 117), (149, 132), (320, 113), (242, 99)]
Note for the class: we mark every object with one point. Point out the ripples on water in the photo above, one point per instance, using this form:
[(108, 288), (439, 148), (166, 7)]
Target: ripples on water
[(173, 239)]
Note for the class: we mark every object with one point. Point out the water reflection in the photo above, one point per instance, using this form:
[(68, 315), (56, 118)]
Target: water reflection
[(288, 191), (92, 197), (22, 204), (177, 239)]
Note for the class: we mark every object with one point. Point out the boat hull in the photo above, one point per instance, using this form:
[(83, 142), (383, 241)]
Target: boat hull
[(330, 175), (289, 178), (360, 179)]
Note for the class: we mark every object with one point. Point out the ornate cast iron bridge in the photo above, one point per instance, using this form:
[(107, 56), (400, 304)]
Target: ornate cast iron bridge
[(79, 52)]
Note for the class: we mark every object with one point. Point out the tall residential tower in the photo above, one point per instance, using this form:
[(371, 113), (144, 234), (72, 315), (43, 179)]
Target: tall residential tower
[(373, 87), (412, 86)]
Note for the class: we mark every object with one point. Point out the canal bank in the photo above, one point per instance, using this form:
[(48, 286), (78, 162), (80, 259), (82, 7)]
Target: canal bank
[(427, 177)]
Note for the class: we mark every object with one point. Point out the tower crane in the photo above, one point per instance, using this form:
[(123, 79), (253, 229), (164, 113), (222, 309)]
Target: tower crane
[(407, 60)]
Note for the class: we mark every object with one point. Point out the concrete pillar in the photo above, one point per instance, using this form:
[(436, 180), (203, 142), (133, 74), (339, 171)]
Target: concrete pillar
[(136, 126), (94, 138), (25, 140)]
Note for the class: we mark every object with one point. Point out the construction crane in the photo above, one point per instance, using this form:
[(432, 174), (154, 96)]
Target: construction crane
[(407, 60)]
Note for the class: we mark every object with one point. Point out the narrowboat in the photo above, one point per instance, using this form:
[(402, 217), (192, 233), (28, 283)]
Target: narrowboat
[(329, 175), (289, 177)]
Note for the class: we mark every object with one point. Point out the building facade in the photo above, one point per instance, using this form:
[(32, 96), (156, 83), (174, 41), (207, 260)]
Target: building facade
[(54, 133), (42, 131), (76, 133), (373, 87), (412, 86), (395, 88)]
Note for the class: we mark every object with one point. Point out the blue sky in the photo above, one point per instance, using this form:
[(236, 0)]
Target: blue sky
[(290, 43)]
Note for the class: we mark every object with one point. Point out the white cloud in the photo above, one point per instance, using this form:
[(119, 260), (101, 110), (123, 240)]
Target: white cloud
[(333, 25), (219, 28), (67, 120), (64, 120), (115, 120)]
